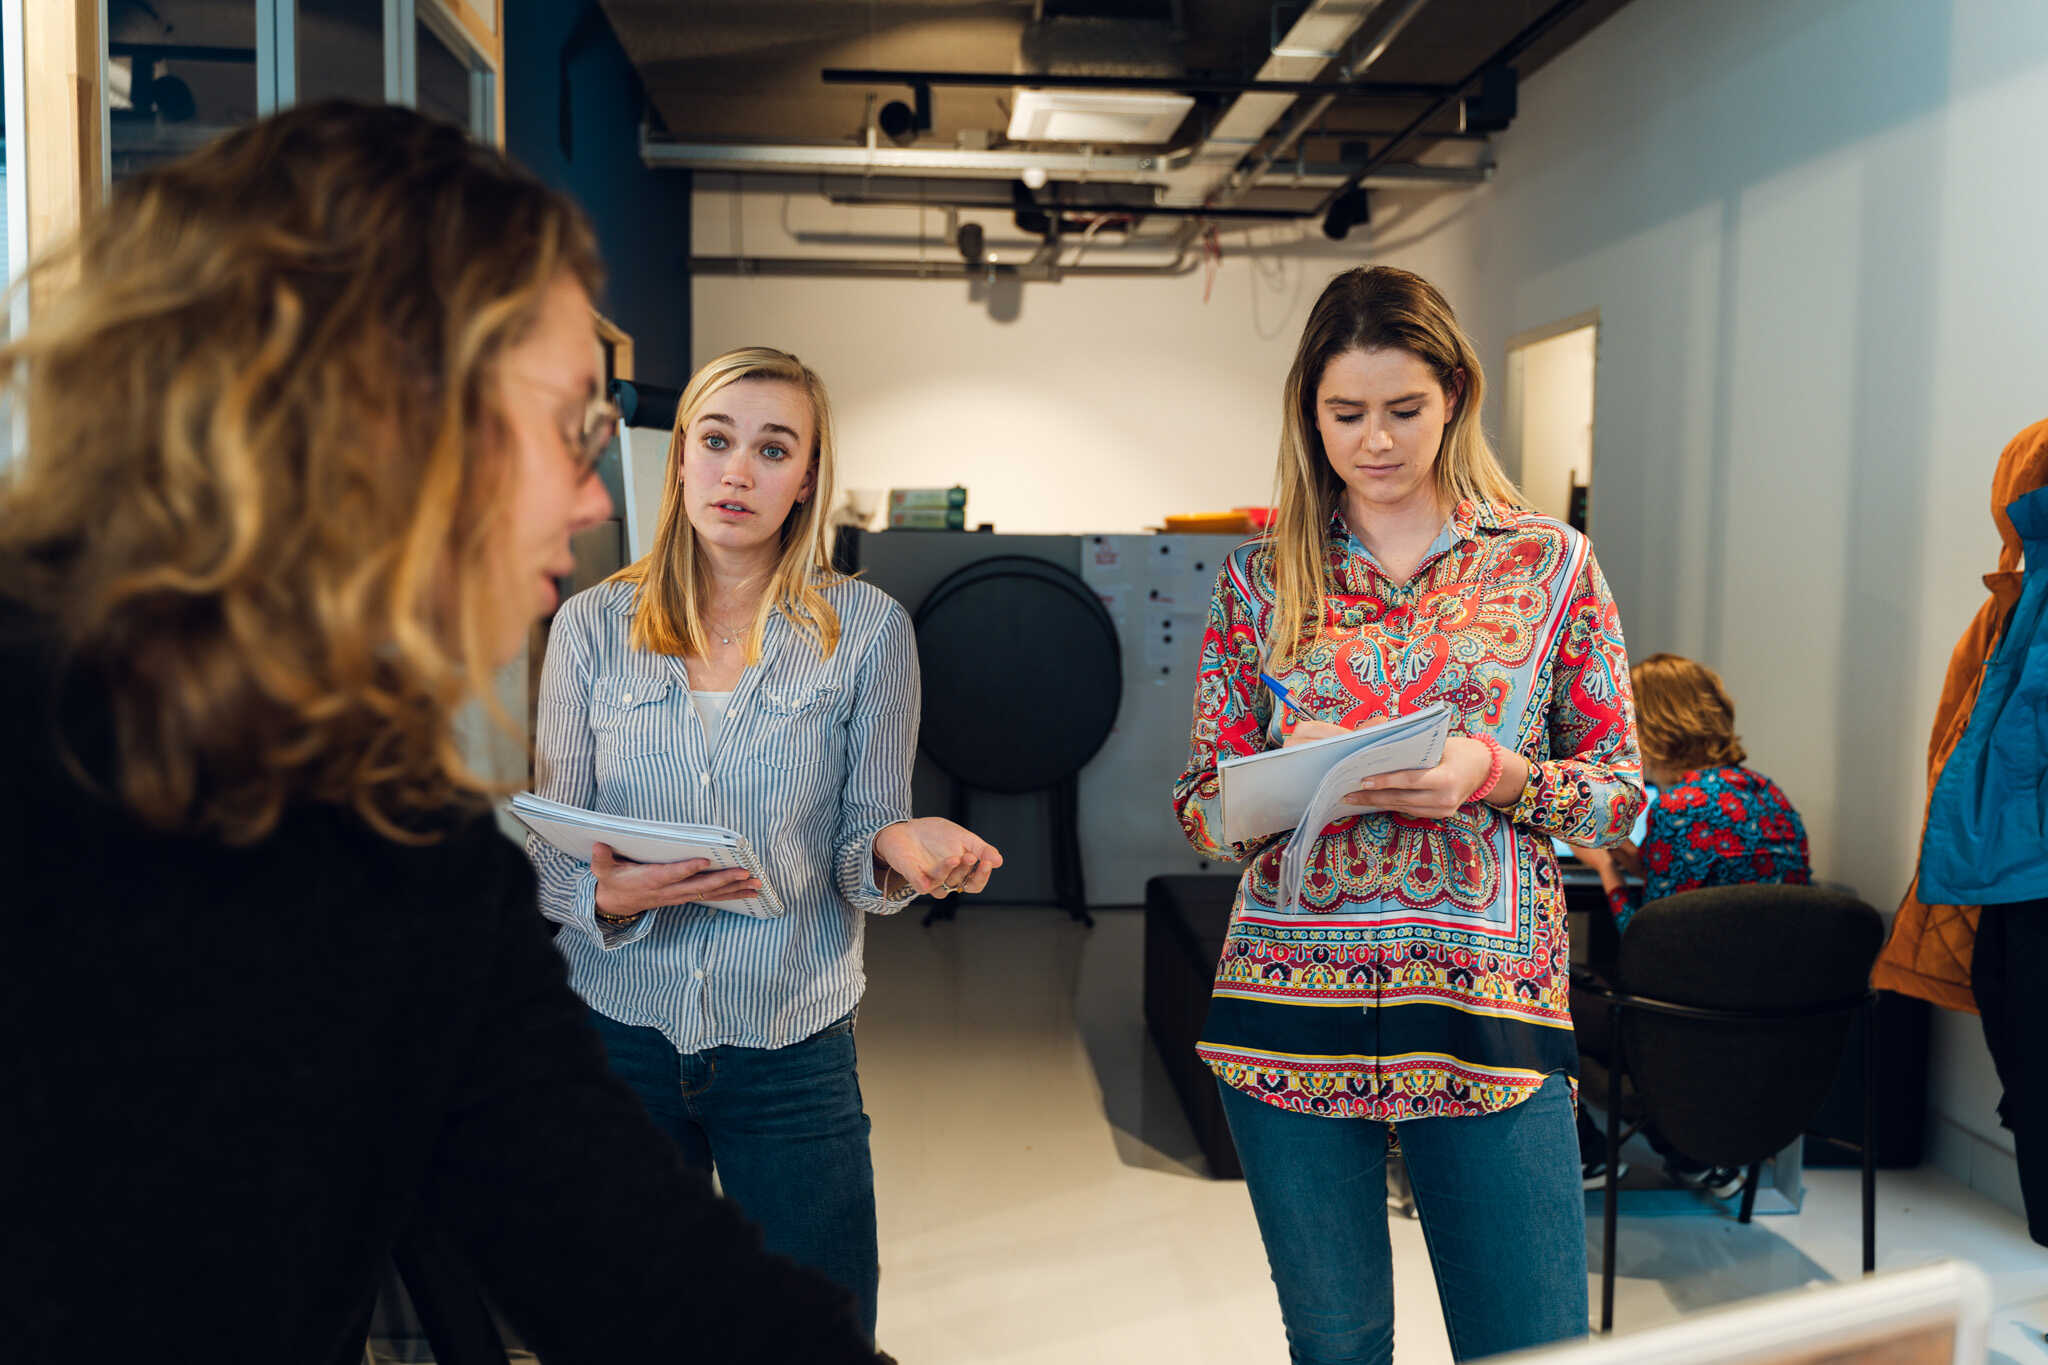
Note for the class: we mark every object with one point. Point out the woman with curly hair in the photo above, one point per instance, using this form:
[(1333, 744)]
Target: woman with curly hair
[(308, 433), (1716, 822)]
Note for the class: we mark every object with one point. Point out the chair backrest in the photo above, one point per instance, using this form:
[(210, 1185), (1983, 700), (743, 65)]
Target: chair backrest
[(1731, 1092)]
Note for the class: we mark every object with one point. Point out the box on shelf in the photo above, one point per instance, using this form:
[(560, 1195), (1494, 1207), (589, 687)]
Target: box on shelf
[(927, 519), (927, 499)]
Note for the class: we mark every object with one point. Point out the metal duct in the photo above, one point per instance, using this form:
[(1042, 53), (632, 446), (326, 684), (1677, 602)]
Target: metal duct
[(1076, 45), (1311, 48)]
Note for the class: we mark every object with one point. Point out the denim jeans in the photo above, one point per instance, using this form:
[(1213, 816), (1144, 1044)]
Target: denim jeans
[(784, 1130), (1501, 1208)]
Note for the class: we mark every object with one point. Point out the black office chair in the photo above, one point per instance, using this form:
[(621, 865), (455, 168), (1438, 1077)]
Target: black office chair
[(1727, 1019), (1023, 677)]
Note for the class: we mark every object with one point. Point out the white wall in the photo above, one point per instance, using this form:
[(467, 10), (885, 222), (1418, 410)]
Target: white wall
[(1811, 229), (1091, 405)]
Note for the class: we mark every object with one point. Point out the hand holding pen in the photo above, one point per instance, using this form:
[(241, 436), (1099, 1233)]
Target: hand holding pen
[(1294, 727)]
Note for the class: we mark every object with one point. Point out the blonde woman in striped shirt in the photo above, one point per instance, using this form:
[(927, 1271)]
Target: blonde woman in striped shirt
[(731, 677)]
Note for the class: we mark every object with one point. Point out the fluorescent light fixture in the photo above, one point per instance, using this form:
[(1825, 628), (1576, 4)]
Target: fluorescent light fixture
[(1096, 116)]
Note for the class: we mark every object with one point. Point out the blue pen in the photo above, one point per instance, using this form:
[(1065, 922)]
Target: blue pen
[(1280, 692)]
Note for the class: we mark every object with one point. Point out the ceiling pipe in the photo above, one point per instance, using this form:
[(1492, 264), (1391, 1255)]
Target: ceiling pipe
[(1512, 49), (1074, 210), (1001, 165), (797, 159), (1183, 85), (965, 198), (812, 267)]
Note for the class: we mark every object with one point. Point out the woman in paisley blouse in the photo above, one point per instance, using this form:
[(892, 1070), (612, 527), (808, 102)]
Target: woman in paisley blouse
[(1423, 981), (1715, 823)]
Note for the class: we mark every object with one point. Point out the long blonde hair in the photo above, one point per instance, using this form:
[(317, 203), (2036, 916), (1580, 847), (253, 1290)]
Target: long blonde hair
[(670, 617), (1370, 308), (264, 462)]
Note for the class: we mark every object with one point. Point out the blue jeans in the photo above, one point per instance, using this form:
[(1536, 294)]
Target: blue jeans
[(1501, 1208), (785, 1131)]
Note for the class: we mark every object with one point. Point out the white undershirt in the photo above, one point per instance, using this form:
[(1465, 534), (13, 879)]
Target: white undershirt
[(711, 708)]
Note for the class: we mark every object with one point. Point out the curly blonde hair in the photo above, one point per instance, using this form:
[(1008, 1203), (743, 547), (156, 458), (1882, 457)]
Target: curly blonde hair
[(1369, 308), (264, 456), (670, 615)]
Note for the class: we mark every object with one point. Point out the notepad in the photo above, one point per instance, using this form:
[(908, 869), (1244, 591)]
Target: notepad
[(574, 831), (1270, 792)]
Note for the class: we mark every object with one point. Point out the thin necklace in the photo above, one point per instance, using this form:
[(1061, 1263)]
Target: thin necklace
[(724, 633)]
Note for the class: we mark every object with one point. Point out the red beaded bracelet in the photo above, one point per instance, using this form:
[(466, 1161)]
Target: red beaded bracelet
[(1498, 760)]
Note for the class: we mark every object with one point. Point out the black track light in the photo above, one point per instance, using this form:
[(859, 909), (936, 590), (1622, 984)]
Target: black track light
[(1494, 107), (901, 123), (1346, 214), (973, 248)]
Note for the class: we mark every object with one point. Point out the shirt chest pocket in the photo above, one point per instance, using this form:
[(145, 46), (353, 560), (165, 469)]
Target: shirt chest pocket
[(799, 724), (630, 717)]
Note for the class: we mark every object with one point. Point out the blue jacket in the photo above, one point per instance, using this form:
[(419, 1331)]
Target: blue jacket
[(1986, 841)]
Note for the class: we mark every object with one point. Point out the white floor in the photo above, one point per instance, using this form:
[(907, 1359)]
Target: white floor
[(1042, 1200)]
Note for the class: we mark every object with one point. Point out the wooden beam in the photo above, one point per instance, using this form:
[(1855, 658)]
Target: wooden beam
[(63, 157), (486, 36), (486, 41), (620, 343)]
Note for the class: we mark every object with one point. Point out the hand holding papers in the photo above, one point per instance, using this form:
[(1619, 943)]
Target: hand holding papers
[(1269, 792), (1303, 787), (574, 831)]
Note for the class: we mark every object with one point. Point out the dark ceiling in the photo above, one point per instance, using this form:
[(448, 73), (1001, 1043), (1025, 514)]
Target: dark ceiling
[(748, 70)]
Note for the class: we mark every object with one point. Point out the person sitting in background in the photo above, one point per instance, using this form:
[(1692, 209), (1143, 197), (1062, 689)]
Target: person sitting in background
[(1715, 823), (307, 441)]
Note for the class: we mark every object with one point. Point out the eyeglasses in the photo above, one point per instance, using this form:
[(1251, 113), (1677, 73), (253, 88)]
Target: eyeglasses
[(600, 423), (588, 442)]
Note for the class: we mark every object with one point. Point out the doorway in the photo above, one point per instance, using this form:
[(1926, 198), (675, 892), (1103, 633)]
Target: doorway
[(1549, 428)]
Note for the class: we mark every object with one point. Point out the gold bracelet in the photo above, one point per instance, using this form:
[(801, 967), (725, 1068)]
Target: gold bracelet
[(618, 920)]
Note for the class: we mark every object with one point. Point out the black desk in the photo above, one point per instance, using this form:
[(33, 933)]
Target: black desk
[(1595, 940)]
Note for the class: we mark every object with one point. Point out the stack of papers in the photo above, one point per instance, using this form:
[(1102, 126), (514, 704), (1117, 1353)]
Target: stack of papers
[(574, 831), (1270, 792), (1303, 788)]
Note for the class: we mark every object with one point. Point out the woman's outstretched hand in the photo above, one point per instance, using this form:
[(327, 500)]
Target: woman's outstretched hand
[(937, 857)]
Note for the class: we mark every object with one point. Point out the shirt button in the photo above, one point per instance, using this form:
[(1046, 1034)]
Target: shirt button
[(627, 699), (699, 973), (703, 779)]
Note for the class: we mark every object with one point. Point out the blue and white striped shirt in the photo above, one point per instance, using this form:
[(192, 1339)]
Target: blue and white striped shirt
[(813, 762)]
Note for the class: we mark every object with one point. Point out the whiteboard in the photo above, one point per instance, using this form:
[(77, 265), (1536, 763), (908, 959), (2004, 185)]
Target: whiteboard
[(644, 452), (1157, 590)]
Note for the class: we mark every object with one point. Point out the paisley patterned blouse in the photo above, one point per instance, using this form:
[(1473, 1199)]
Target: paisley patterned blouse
[(1426, 972), (1716, 827)]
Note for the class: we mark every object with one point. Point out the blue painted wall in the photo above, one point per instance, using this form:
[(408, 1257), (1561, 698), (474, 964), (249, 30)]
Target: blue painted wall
[(642, 215)]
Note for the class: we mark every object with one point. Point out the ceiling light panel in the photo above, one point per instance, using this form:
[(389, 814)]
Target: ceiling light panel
[(1096, 116)]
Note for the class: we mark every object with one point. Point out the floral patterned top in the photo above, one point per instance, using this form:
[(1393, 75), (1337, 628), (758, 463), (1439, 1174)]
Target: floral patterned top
[(1426, 972), (1716, 827)]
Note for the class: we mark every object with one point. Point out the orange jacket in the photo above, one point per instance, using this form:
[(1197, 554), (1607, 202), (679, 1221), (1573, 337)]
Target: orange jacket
[(1929, 951)]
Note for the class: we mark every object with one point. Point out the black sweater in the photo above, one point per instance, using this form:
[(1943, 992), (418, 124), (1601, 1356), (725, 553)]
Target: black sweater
[(229, 1077)]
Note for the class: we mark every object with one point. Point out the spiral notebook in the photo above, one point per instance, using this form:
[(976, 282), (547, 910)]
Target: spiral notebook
[(575, 831)]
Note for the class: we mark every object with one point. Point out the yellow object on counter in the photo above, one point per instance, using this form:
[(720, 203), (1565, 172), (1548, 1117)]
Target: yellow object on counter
[(1210, 523)]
